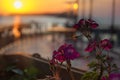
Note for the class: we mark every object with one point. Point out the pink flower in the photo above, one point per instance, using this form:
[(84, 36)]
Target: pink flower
[(92, 23), (114, 76), (70, 53), (58, 56), (65, 52), (91, 46), (86, 24), (62, 47), (52, 62), (81, 22), (76, 26), (104, 78), (105, 44)]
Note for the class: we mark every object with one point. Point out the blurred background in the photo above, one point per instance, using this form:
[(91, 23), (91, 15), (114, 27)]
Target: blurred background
[(40, 26)]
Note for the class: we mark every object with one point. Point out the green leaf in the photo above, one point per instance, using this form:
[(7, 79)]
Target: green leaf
[(31, 71), (93, 64), (90, 76)]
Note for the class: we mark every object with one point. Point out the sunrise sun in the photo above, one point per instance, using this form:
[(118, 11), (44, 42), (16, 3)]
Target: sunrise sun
[(17, 4)]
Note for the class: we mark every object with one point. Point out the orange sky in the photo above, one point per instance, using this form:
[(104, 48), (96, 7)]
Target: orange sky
[(101, 7), (32, 6)]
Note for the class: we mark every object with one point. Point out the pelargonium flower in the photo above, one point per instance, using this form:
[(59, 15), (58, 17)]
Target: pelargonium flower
[(58, 56), (114, 76), (70, 53), (86, 23), (65, 52), (91, 46), (53, 61), (92, 23), (76, 26), (104, 78), (62, 47), (105, 44), (81, 22)]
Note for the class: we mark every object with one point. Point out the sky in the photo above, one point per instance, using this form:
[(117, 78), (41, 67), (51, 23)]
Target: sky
[(32, 6), (102, 11), (101, 8), (53, 6)]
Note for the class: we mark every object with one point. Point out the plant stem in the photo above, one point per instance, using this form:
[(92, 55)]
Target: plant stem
[(69, 70), (57, 72), (101, 69)]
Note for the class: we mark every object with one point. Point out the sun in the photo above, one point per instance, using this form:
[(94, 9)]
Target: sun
[(17, 4)]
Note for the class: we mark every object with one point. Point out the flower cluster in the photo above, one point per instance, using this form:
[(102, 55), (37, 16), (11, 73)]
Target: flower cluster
[(86, 24), (101, 66), (64, 53), (102, 63), (103, 44)]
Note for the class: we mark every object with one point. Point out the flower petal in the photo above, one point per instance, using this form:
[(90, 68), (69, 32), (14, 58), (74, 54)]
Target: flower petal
[(105, 44), (91, 46)]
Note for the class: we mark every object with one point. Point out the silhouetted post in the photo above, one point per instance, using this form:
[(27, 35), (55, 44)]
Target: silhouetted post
[(113, 15), (83, 8), (113, 20), (91, 9)]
